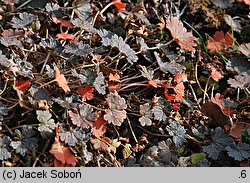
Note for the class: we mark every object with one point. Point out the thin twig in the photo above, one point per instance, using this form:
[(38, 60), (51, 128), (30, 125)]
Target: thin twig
[(132, 130), (195, 98), (45, 62), (197, 81), (205, 91), (22, 5), (44, 148), (154, 134), (135, 84), (194, 139), (5, 86)]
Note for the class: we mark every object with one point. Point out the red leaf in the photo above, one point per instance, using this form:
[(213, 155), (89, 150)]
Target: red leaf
[(61, 80), (119, 5), (168, 97), (114, 77), (216, 75), (99, 127), (180, 35), (245, 1), (67, 24), (219, 41), (179, 90), (65, 36), (22, 84), (175, 106), (179, 87), (61, 153), (87, 93)]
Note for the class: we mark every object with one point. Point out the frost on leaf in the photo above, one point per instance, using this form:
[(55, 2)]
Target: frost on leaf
[(3, 111), (47, 124), (124, 48), (145, 111), (168, 67), (68, 102), (5, 150), (24, 68), (4, 61), (83, 10), (239, 65), (222, 4), (245, 49), (71, 136), (84, 117), (81, 77), (52, 7), (90, 75), (11, 37), (23, 20), (239, 152), (234, 23), (180, 35), (111, 39), (144, 48), (49, 43), (219, 140), (149, 75), (116, 112), (24, 141), (161, 109), (178, 132), (99, 84), (79, 50), (240, 81)]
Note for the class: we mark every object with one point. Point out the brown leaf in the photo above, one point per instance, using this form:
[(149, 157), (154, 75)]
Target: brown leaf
[(213, 111), (100, 143)]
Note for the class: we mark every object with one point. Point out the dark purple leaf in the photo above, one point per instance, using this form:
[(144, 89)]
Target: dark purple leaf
[(5, 149), (219, 141), (239, 152)]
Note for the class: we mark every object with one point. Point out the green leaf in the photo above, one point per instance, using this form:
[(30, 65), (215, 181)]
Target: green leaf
[(196, 157)]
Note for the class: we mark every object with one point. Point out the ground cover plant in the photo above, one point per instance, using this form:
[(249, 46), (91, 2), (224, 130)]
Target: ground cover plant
[(137, 83)]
